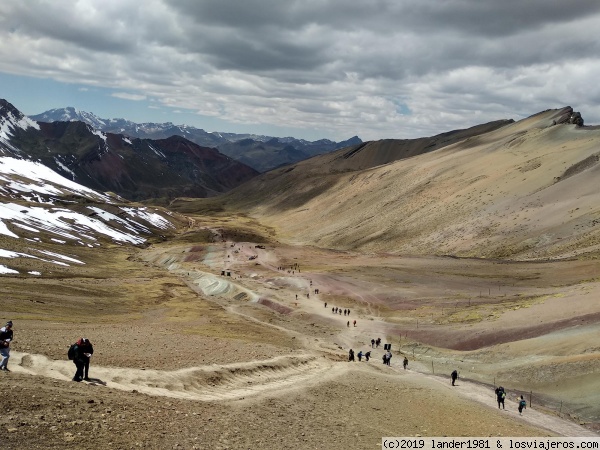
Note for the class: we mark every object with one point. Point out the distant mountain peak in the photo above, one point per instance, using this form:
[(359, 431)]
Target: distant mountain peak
[(70, 114), (10, 120), (260, 152)]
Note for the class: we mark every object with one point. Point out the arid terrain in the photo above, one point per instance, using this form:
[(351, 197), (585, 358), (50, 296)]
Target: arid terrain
[(188, 358), (221, 332)]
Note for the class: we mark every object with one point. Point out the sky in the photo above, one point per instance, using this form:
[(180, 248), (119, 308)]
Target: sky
[(310, 69)]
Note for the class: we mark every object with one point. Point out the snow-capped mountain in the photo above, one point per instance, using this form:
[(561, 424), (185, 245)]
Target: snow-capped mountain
[(260, 152), (70, 114), (147, 130), (45, 218), (134, 168)]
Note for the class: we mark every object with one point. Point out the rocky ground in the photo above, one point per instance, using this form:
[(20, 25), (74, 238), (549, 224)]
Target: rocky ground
[(194, 359)]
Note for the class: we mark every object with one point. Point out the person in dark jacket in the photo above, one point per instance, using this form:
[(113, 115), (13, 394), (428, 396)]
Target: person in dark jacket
[(88, 350), (500, 396), (82, 351), (6, 336), (454, 376), (522, 405)]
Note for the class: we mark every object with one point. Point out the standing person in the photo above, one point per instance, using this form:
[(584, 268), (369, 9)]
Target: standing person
[(6, 335), (454, 376), (75, 354), (372, 343), (325, 304), (522, 405), (351, 355), (348, 324), (500, 396), (360, 355), (85, 346), (355, 323), (367, 355), (405, 363), (388, 357)]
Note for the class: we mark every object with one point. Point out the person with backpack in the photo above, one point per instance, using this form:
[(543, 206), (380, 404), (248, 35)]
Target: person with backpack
[(500, 396), (454, 376), (78, 353), (360, 355), (88, 350), (522, 405), (6, 335), (367, 355), (351, 355)]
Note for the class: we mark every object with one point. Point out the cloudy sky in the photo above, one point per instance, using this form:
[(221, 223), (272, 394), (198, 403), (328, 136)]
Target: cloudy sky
[(306, 68)]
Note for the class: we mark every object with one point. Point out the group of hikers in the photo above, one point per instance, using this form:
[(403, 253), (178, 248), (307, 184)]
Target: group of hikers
[(387, 356), (80, 353), (336, 310), (359, 355), (501, 395)]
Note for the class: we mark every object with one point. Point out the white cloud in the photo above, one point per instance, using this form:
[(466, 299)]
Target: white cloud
[(341, 67), (129, 96)]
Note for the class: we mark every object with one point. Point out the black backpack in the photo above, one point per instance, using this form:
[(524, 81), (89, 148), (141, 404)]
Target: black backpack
[(72, 351)]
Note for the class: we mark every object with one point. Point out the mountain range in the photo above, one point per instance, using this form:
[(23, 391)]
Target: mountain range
[(518, 190), (134, 168), (262, 153)]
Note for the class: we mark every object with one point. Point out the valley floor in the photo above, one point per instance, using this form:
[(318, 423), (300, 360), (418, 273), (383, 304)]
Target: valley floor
[(223, 344)]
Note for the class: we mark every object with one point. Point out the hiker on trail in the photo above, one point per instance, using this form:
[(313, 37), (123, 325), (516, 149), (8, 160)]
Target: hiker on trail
[(325, 304), (522, 405), (360, 355), (296, 296), (85, 346), (348, 324), (6, 336), (377, 342), (367, 355), (348, 312), (340, 311), (76, 355), (454, 376), (387, 356), (351, 355), (405, 363), (355, 323), (500, 396), (372, 343), (332, 310), (335, 312)]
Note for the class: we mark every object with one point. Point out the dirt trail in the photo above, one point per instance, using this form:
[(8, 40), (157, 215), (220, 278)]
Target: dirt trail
[(258, 282), (207, 383), (484, 395)]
